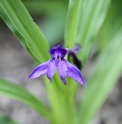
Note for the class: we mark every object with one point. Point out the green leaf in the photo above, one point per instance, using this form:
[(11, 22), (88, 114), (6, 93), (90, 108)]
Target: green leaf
[(58, 105), (95, 12), (74, 18), (106, 72), (14, 91), (16, 32), (23, 22), (75, 13)]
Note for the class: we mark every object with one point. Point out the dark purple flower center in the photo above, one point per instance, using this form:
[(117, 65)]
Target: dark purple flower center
[(58, 58), (58, 52)]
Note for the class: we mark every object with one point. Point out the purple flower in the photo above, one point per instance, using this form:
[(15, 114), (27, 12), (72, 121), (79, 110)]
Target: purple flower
[(76, 49), (65, 68), (72, 54)]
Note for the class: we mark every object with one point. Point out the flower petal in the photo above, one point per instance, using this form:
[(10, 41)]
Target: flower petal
[(62, 68), (77, 48), (74, 73), (51, 69), (39, 70), (58, 51)]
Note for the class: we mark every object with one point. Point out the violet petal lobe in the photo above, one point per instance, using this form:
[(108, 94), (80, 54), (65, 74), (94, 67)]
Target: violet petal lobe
[(74, 73), (77, 48), (62, 68), (51, 69), (58, 50), (39, 70)]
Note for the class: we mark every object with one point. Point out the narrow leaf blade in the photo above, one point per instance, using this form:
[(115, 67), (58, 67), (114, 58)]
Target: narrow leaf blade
[(106, 72), (23, 22), (75, 13), (14, 91), (95, 12)]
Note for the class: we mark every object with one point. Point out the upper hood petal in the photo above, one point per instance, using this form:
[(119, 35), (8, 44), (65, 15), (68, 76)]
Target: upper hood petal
[(58, 50)]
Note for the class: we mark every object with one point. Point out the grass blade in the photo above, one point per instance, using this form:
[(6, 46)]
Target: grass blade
[(14, 91), (13, 28), (94, 14), (74, 16), (106, 72), (23, 22)]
